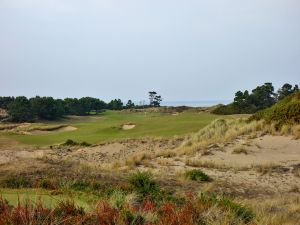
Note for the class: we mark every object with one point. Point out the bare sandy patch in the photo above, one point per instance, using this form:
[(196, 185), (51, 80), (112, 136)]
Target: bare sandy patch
[(128, 126), (7, 156), (265, 150)]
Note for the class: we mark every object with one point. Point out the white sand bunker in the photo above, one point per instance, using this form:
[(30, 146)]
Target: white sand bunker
[(67, 128), (51, 130), (128, 126)]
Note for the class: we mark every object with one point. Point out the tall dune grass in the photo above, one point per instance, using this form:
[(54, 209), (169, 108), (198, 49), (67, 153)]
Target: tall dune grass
[(218, 132)]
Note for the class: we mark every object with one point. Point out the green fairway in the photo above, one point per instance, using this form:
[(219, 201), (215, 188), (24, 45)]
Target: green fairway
[(108, 126), (48, 198)]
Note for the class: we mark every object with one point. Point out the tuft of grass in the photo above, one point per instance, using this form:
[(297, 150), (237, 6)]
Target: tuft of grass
[(16, 182), (47, 184), (296, 131), (137, 159), (204, 164), (265, 168), (70, 142), (197, 175), (166, 154), (297, 172), (144, 184), (219, 131), (240, 150), (241, 211)]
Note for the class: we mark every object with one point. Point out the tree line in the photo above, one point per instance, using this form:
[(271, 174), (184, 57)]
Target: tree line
[(261, 97), (22, 109)]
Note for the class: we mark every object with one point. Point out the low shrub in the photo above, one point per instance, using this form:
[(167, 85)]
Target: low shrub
[(47, 184), (197, 175), (241, 211), (70, 142), (16, 182), (144, 185), (193, 211)]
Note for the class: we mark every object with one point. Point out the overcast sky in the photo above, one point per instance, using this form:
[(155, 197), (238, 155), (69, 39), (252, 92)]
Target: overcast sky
[(184, 49)]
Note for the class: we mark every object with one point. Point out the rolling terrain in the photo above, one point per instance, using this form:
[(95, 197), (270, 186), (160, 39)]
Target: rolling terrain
[(221, 169)]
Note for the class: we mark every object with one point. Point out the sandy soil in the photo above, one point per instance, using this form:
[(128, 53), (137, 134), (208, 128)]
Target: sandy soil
[(266, 150), (128, 126), (267, 165)]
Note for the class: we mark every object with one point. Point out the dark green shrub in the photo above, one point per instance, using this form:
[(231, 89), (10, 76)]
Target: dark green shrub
[(16, 182), (143, 184), (197, 175), (80, 186), (241, 211), (85, 144), (70, 142), (47, 184), (225, 110)]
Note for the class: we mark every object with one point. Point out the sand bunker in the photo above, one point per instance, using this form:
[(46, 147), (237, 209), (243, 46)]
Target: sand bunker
[(60, 129), (66, 128), (128, 126)]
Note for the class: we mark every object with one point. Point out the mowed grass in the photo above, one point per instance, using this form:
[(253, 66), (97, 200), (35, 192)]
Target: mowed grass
[(48, 198), (108, 126)]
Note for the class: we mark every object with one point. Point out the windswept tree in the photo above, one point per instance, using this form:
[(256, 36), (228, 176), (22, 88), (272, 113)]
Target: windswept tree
[(286, 90), (20, 110), (129, 105), (5, 101), (242, 101), (99, 105), (74, 106), (263, 96), (155, 99), (152, 95), (47, 108), (115, 104)]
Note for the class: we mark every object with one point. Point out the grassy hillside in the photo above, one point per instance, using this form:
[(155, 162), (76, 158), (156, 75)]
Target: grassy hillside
[(286, 111), (108, 126)]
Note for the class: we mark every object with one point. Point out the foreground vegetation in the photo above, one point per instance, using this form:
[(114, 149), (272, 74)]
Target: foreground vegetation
[(142, 202)]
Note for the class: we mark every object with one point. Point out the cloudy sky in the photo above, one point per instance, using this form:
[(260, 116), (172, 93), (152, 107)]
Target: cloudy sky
[(184, 49)]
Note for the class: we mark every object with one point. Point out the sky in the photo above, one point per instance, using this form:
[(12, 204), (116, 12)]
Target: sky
[(186, 50)]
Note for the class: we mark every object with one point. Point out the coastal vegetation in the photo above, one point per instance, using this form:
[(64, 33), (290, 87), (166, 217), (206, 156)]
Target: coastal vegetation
[(261, 98), (117, 164), (21, 109)]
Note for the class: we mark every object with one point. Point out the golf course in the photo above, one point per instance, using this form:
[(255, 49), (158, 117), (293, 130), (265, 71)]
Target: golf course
[(108, 126)]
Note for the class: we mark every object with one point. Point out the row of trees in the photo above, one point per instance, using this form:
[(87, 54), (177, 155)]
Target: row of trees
[(260, 98), (21, 109)]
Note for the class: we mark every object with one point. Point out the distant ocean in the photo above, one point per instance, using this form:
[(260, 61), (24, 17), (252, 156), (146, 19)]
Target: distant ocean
[(194, 103)]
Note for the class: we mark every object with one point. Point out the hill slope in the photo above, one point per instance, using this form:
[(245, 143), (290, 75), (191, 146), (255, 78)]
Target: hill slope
[(286, 111)]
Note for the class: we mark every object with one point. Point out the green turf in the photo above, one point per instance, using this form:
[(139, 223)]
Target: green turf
[(48, 198), (107, 127)]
